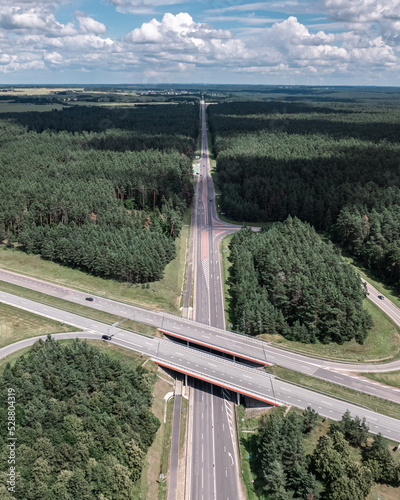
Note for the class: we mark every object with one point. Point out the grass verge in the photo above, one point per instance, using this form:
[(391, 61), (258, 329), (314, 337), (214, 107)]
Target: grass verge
[(389, 378), (150, 484), (79, 309), (382, 343), (16, 325), (163, 295), (373, 403), (166, 449)]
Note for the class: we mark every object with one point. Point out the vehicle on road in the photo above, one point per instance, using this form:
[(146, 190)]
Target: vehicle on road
[(90, 299), (106, 337), (381, 297)]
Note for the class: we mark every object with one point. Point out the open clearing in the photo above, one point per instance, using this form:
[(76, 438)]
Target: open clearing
[(16, 325)]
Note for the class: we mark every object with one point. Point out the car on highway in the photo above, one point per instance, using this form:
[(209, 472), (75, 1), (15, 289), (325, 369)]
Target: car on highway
[(90, 299), (106, 337), (381, 297)]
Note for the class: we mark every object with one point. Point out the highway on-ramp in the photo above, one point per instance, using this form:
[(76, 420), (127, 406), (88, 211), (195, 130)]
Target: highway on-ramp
[(229, 342), (219, 371)]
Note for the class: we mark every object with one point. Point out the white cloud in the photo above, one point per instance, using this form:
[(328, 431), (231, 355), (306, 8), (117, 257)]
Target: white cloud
[(282, 6), (250, 20), (31, 38), (361, 11), (32, 19), (141, 6), (89, 25)]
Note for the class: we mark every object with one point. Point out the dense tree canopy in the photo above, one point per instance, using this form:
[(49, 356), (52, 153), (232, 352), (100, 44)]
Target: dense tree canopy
[(334, 165), (83, 423), (284, 471), (287, 280), (92, 187)]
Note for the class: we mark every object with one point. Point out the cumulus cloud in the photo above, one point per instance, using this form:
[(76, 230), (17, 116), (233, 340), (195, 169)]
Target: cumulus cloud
[(32, 19), (31, 38), (383, 15), (361, 11), (290, 47), (89, 25), (178, 39)]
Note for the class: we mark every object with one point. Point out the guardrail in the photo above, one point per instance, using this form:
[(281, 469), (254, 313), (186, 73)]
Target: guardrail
[(217, 381)]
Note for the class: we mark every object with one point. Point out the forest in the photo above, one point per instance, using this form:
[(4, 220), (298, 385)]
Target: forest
[(103, 190), (287, 280), (332, 164), (344, 465), (83, 423)]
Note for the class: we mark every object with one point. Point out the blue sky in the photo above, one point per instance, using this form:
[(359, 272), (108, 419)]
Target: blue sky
[(311, 42)]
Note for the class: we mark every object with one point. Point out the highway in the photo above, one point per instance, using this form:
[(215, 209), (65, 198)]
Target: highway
[(215, 369), (229, 342), (214, 466), (214, 463)]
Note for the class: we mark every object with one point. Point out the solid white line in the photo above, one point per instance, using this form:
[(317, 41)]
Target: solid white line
[(213, 442)]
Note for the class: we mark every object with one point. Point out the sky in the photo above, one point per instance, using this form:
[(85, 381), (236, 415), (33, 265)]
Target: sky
[(285, 42)]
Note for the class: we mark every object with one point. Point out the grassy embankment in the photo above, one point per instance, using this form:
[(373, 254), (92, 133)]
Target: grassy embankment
[(81, 310), (248, 429), (373, 403), (16, 325)]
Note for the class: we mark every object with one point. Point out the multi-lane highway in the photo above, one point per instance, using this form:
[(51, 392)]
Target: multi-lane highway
[(219, 371), (229, 342), (214, 463)]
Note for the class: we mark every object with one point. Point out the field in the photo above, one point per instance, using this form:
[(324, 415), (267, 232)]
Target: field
[(20, 107), (37, 91), (16, 325)]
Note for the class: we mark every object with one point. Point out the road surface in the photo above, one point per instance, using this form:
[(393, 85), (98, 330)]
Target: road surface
[(214, 473), (219, 371)]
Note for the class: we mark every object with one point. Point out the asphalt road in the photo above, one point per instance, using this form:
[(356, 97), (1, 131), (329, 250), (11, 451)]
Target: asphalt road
[(211, 477), (340, 373), (209, 310), (211, 368)]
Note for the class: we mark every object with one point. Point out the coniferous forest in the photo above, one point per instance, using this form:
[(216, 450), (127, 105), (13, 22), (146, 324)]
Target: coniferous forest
[(344, 465), (287, 280), (99, 189), (332, 164), (83, 421)]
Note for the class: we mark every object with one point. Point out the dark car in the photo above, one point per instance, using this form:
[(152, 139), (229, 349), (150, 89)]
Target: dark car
[(90, 299), (381, 297), (106, 337)]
